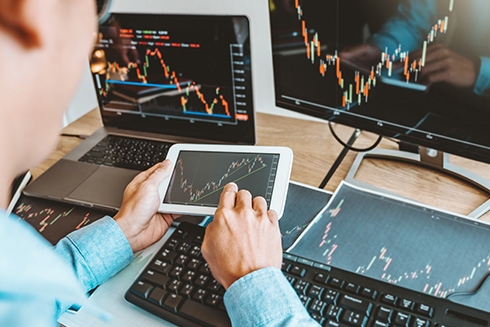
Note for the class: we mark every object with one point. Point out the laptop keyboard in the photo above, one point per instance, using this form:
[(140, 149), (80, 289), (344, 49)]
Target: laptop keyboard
[(177, 286), (126, 152)]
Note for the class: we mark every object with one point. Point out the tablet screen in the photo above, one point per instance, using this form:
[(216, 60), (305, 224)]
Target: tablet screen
[(199, 177)]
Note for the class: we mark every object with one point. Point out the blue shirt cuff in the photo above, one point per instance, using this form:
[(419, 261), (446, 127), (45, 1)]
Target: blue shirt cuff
[(265, 297), (96, 252), (482, 85)]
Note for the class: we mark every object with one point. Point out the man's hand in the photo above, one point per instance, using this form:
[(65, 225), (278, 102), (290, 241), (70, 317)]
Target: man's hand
[(444, 65), (243, 237), (138, 216)]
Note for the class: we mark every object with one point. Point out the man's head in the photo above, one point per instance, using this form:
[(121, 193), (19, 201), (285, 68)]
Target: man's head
[(44, 45)]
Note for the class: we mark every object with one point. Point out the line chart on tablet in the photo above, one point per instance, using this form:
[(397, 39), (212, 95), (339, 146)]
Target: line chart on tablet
[(199, 178)]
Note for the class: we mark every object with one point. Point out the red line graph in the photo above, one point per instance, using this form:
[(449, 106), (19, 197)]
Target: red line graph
[(170, 77)]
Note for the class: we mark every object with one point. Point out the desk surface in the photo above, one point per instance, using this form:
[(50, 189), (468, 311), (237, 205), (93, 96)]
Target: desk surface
[(315, 150)]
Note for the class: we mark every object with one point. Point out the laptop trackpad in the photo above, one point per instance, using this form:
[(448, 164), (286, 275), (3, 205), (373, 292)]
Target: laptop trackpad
[(59, 180), (104, 188)]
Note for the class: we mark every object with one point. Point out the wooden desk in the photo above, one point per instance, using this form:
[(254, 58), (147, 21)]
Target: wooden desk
[(315, 150)]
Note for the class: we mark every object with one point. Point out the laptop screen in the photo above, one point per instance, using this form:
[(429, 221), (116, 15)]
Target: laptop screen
[(179, 75)]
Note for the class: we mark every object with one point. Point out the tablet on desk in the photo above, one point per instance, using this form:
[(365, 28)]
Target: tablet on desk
[(200, 171)]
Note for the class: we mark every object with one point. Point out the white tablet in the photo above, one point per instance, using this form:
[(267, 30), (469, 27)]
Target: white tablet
[(200, 171)]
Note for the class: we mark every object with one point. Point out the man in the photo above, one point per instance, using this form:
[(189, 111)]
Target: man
[(41, 65)]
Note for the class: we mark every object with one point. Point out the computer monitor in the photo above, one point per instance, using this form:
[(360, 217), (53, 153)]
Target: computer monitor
[(414, 70)]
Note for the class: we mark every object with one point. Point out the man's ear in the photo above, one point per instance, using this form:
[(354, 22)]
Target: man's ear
[(16, 18)]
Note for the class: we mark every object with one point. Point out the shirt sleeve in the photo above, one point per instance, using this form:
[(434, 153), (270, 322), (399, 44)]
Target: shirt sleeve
[(408, 27), (265, 298), (96, 252), (36, 285), (482, 85)]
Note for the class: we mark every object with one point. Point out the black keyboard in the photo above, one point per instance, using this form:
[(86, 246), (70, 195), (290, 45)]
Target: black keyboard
[(126, 152), (177, 286)]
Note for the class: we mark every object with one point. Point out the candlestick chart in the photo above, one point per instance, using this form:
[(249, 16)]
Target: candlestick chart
[(398, 242), (199, 178), (54, 220), (355, 84), (181, 73)]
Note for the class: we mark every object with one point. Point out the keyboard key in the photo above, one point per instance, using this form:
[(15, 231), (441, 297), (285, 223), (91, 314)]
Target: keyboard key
[(173, 301), (207, 315), (401, 319), (183, 247), (354, 319), (162, 266), (194, 251), (418, 322), (156, 279), (157, 295), (194, 264), (424, 310), (330, 296), (389, 299), (317, 307), (320, 278), (406, 304), (300, 287), (356, 304), (297, 271), (335, 282), (351, 288), (141, 289), (315, 292), (168, 255), (304, 299), (384, 314), (189, 276), (179, 234), (175, 286), (214, 300), (333, 312), (181, 260), (202, 280), (214, 286), (187, 290), (200, 295), (177, 272), (368, 293)]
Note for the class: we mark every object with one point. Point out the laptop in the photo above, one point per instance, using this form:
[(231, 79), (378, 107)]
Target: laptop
[(160, 79)]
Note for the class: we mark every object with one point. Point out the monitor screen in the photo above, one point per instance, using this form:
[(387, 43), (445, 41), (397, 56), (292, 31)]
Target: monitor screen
[(415, 70), (187, 75)]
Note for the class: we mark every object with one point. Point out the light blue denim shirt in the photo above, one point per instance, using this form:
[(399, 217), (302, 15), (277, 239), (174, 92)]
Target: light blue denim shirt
[(38, 284), (265, 298)]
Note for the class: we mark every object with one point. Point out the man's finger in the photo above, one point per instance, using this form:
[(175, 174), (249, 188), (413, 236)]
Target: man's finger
[(156, 173), (244, 199), (228, 196), (273, 216), (259, 205)]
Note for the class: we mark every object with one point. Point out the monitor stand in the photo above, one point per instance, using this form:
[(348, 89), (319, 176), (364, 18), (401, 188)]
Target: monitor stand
[(428, 158)]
